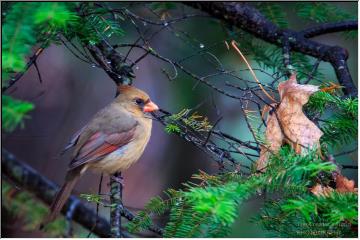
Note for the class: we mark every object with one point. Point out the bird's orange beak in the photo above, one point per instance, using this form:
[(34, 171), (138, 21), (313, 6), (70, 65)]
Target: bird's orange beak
[(150, 107)]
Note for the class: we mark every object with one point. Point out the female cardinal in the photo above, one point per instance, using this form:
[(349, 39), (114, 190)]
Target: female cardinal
[(112, 141)]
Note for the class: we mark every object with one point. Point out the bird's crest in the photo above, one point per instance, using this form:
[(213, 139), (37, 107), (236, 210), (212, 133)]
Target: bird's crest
[(124, 88)]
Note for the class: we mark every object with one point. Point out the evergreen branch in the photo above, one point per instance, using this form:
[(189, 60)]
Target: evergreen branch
[(322, 12), (17, 77), (195, 137), (311, 216), (342, 126), (274, 13), (27, 24), (29, 179), (209, 208), (14, 112), (339, 130), (330, 28), (251, 20)]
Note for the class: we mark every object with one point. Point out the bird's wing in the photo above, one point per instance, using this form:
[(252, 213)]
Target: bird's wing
[(73, 141), (101, 144), (81, 136), (110, 129)]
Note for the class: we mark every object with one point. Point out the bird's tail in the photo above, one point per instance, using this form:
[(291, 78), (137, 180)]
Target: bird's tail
[(62, 196)]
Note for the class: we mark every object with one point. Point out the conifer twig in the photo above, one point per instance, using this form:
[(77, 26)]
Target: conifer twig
[(18, 76)]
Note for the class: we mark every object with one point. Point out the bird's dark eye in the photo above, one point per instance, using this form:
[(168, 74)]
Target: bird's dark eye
[(139, 101)]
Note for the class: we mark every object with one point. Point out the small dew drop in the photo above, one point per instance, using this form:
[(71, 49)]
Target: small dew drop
[(144, 23), (165, 24), (137, 67), (202, 45), (119, 77), (108, 62), (93, 65)]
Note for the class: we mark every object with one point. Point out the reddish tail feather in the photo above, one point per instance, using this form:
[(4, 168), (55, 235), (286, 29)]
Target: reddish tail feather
[(62, 196)]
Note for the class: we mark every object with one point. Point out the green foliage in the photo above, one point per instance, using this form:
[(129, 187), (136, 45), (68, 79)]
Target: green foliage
[(27, 23), (341, 127), (269, 57), (210, 208), (141, 222), (312, 216), (320, 101), (221, 202), (156, 206), (299, 213), (338, 207), (23, 23), (56, 14), (98, 199), (172, 128), (32, 212), (322, 12), (292, 172), (14, 112), (303, 65), (185, 118), (22, 204), (161, 7), (96, 25), (340, 130), (274, 13), (18, 36)]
